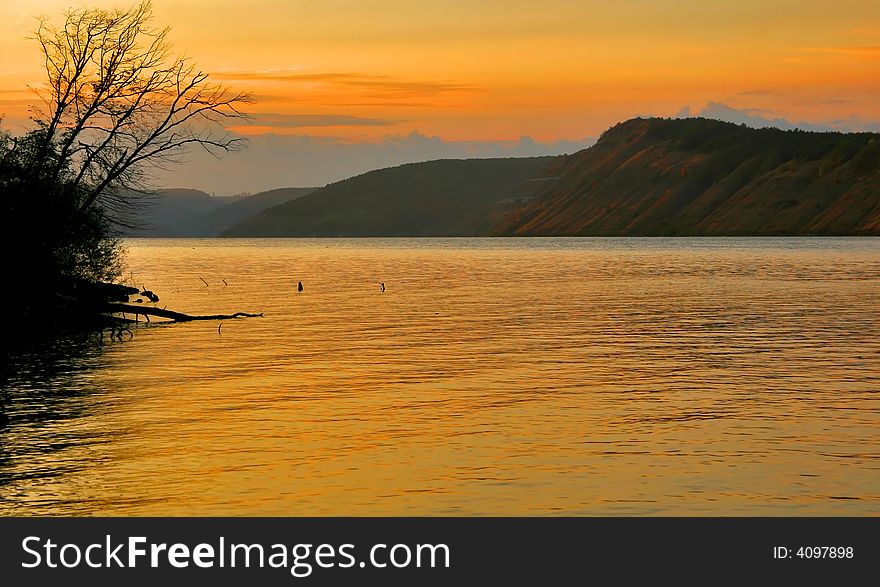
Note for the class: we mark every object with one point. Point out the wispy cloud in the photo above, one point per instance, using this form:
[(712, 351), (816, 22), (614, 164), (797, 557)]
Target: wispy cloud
[(825, 101), (866, 52), (353, 81), (278, 120), (762, 92)]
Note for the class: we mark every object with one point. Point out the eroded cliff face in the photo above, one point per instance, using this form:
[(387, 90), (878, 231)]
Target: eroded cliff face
[(705, 177)]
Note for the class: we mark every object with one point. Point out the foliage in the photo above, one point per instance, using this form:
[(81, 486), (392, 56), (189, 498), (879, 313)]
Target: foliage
[(116, 103), (45, 249), (695, 176)]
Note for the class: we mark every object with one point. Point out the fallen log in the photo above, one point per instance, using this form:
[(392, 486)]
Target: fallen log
[(170, 314)]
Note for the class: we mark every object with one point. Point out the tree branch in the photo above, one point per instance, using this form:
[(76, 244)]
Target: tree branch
[(171, 315)]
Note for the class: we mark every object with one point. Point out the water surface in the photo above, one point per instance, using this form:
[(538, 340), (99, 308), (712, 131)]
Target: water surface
[(493, 376)]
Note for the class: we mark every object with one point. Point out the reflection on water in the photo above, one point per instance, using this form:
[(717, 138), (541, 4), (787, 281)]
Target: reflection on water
[(494, 376), (47, 414)]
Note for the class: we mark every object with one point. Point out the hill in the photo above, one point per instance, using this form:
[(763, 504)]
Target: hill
[(706, 177), (450, 197), (181, 212), (162, 208), (214, 222)]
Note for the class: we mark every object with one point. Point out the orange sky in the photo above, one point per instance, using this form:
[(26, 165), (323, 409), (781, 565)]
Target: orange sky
[(499, 69)]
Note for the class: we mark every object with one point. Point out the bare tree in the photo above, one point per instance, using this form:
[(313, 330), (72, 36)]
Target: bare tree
[(117, 103)]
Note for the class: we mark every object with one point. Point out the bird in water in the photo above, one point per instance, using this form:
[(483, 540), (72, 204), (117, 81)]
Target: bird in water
[(299, 286), (382, 285), (150, 296)]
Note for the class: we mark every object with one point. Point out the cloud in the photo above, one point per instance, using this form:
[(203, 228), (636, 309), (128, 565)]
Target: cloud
[(825, 102), (370, 84), (274, 160), (871, 52), (277, 120), (762, 92), (343, 89), (16, 102), (855, 123), (754, 117)]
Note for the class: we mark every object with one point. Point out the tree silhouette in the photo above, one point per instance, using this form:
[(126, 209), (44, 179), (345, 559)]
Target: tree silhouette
[(118, 102)]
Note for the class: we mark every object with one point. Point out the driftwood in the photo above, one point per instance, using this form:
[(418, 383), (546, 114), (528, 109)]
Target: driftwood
[(170, 314)]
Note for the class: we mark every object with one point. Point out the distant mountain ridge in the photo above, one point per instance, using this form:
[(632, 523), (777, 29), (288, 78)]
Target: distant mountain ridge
[(447, 197), (706, 177), (216, 221), (644, 177), (178, 212)]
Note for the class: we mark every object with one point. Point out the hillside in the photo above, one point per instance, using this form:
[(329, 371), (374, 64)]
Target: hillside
[(705, 177), (162, 208), (214, 222), (459, 197), (181, 212)]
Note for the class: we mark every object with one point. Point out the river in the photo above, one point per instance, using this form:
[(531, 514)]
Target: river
[(594, 376)]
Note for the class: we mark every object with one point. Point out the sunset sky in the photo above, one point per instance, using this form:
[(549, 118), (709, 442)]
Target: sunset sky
[(469, 75)]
